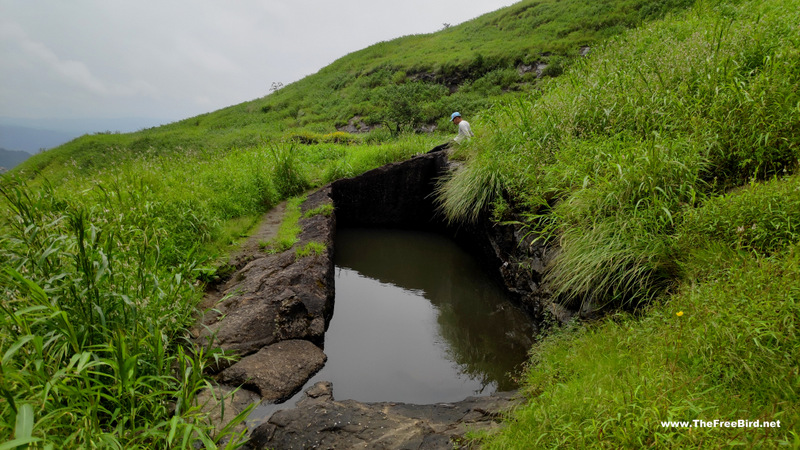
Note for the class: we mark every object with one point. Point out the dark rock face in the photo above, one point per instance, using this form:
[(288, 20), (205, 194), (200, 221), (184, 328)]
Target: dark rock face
[(395, 195), (513, 255), (400, 195), (319, 421)]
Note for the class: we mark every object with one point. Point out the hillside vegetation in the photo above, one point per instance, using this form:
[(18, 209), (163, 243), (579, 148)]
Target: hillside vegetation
[(663, 165)]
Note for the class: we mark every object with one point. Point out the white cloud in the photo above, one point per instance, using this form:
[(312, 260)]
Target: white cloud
[(175, 59)]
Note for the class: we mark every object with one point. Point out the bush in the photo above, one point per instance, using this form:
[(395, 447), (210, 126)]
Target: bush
[(402, 105), (340, 137)]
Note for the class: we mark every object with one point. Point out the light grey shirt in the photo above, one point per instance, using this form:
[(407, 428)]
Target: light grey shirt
[(464, 132)]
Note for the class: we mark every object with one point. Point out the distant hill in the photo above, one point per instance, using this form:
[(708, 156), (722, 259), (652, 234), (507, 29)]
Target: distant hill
[(32, 135), (32, 140), (10, 158)]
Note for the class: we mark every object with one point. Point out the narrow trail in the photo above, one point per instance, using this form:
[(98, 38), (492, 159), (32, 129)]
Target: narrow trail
[(267, 229), (249, 250)]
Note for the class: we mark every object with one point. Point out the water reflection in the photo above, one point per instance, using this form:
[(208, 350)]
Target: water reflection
[(416, 320), (483, 337)]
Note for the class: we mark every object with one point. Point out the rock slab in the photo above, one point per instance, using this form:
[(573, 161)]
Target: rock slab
[(276, 371), (318, 421)]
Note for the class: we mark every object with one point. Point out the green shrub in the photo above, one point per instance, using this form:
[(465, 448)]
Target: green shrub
[(305, 137), (340, 137), (402, 105)]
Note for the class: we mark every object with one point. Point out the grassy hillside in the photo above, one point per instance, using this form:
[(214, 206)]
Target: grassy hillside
[(663, 164), (465, 67)]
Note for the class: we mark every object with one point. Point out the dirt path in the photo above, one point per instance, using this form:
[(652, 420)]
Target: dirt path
[(267, 230), (249, 250)]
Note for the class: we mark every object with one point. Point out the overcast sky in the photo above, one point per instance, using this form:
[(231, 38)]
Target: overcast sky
[(173, 59)]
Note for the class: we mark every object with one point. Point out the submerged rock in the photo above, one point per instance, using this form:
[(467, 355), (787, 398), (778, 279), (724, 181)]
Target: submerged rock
[(319, 421)]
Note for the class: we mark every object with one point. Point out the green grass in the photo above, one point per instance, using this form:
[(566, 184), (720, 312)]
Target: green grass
[(478, 59), (646, 162), (92, 327), (289, 229), (607, 158), (100, 278), (311, 248), (324, 210), (664, 170), (729, 355)]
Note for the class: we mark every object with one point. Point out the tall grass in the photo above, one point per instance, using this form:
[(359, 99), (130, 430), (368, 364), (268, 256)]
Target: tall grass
[(722, 349), (91, 331), (655, 169), (609, 156)]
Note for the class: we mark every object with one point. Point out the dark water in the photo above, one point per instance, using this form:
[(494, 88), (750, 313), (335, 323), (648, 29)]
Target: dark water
[(417, 320)]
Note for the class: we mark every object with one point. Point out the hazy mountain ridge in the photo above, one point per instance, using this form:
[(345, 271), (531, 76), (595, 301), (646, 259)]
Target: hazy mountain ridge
[(11, 158)]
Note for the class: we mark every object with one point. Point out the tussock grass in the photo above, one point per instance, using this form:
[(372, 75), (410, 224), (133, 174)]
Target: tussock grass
[(463, 194), (723, 348), (311, 248), (91, 326)]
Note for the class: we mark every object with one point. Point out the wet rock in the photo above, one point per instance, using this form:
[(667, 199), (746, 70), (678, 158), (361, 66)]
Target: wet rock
[(277, 371), (319, 421)]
